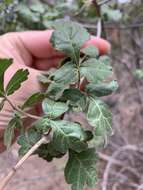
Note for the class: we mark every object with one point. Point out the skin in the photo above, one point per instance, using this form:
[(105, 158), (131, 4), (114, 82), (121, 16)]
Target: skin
[(32, 50)]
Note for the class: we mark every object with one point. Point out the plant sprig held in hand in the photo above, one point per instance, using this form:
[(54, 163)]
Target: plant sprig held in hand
[(65, 94)]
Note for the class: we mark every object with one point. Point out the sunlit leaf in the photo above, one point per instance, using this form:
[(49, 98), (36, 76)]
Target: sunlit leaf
[(15, 82), (81, 169), (4, 64)]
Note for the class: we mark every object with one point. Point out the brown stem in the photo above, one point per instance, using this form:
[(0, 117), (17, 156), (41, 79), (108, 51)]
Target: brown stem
[(97, 6), (6, 179)]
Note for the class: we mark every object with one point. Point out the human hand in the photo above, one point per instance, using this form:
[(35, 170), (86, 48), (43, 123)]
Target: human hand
[(31, 50)]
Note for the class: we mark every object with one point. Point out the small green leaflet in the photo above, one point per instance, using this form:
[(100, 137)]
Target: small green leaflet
[(99, 116), (4, 64), (95, 71), (62, 78), (48, 152), (69, 37), (68, 135), (104, 59), (37, 7), (15, 123), (66, 74), (55, 90), (111, 14), (15, 82), (30, 138), (34, 99), (81, 169), (101, 89), (91, 51), (42, 125), (75, 97), (54, 109)]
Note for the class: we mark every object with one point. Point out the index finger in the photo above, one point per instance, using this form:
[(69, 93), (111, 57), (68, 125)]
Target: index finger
[(38, 44)]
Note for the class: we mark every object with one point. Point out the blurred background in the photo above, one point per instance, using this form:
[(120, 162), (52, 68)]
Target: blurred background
[(121, 161)]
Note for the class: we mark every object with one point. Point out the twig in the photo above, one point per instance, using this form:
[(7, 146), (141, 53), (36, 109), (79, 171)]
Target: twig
[(100, 16), (99, 28), (110, 163), (6, 179), (21, 111), (103, 2)]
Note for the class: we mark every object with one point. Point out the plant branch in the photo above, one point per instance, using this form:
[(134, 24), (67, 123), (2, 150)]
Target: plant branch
[(103, 2), (6, 179), (97, 6), (21, 111)]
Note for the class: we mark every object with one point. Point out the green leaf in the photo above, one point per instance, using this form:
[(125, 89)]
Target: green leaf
[(15, 82), (68, 39), (91, 51), (95, 71), (27, 140), (42, 125), (99, 116), (75, 98), (43, 79), (62, 78), (68, 135), (34, 99), (37, 6), (138, 74), (81, 169), (111, 13), (4, 64), (15, 123), (67, 74), (55, 90), (101, 89), (54, 109), (48, 152), (2, 104), (104, 59)]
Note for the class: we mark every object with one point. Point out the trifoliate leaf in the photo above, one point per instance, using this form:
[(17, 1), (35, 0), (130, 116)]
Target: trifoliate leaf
[(54, 109), (34, 99), (101, 89), (15, 123), (81, 169), (68, 38), (99, 116), (68, 135), (95, 71), (75, 97), (15, 82), (91, 51), (27, 140), (4, 64), (48, 152)]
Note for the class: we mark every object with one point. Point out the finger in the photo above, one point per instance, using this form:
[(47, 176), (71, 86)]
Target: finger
[(38, 44), (102, 45), (45, 64)]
